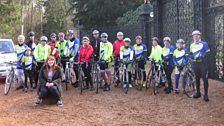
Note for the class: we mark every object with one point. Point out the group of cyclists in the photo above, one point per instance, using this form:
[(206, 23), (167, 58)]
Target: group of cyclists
[(31, 56)]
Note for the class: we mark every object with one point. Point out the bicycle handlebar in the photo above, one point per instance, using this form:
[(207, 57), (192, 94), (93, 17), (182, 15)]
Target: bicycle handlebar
[(11, 63)]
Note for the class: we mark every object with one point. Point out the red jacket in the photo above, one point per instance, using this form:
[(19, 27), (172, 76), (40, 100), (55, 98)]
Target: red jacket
[(54, 51), (85, 53), (116, 47)]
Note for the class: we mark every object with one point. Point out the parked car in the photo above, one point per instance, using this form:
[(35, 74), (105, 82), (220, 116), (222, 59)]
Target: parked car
[(7, 54)]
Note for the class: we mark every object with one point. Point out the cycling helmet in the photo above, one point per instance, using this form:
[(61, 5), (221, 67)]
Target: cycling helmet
[(120, 34), (31, 33), (43, 38), (104, 35), (156, 39), (181, 41), (53, 35), (196, 32), (21, 37), (70, 32), (167, 39), (127, 40), (28, 49), (85, 38), (61, 34), (96, 32), (138, 37)]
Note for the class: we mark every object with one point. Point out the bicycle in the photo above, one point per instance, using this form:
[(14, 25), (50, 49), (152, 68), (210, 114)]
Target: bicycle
[(155, 77), (190, 79), (69, 74), (10, 78), (81, 75), (115, 73), (124, 77), (96, 76), (137, 75)]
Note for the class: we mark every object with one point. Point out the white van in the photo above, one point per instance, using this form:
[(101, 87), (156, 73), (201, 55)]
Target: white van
[(7, 54)]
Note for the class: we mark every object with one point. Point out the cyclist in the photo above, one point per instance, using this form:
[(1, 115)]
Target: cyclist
[(86, 50), (41, 53), (63, 49), (156, 55), (106, 51), (126, 56), (74, 45), (141, 56), (156, 51), (96, 45), (20, 49), (28, 62), (167, 57), (31, 42), (180, 57), (52, 44), (200, 51), (116, 51)]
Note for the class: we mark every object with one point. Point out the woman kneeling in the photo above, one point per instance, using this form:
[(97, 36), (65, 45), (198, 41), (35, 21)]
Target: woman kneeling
[(49, 81)]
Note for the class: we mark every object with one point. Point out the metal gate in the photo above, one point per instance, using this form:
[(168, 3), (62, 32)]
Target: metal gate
[(178, 18), (214, 30)]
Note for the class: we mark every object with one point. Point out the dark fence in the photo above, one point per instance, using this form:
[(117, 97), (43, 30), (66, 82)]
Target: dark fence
[(177, 19)]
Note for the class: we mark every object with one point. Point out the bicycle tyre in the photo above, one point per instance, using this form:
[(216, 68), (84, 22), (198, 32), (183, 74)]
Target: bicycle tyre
[(190, 86), (97, 81), (156, 84), (81, 83), (8, 82), (125, 83), (66, 78)]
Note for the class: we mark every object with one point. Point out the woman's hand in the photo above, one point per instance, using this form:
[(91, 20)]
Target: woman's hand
[(49, 84)]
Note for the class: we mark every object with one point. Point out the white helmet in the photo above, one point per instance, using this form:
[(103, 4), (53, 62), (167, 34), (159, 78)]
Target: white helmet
[(96, 32), (120, 34), (85, 38), (181, 41), (127, 40), (43, 38), (21, 37), (29, 49), (167, 39), (196, 32)]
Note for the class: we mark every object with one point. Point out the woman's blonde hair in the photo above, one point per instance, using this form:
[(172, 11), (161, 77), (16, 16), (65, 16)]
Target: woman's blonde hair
[(46, 62)]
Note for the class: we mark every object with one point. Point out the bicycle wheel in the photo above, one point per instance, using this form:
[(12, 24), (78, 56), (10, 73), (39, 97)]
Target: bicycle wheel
[(125, 82), (97, 81), (81, 82), (136, 79), (72, 76), (8, 82), (190, 86), (66, 78), (115, 78), (156, 83), (149, 78)]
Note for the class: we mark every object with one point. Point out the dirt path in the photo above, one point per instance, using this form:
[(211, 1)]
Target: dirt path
[(115, 108)]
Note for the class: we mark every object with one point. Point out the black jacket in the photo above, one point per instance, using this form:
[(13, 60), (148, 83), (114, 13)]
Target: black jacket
[(96, 48), (56, 79)]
